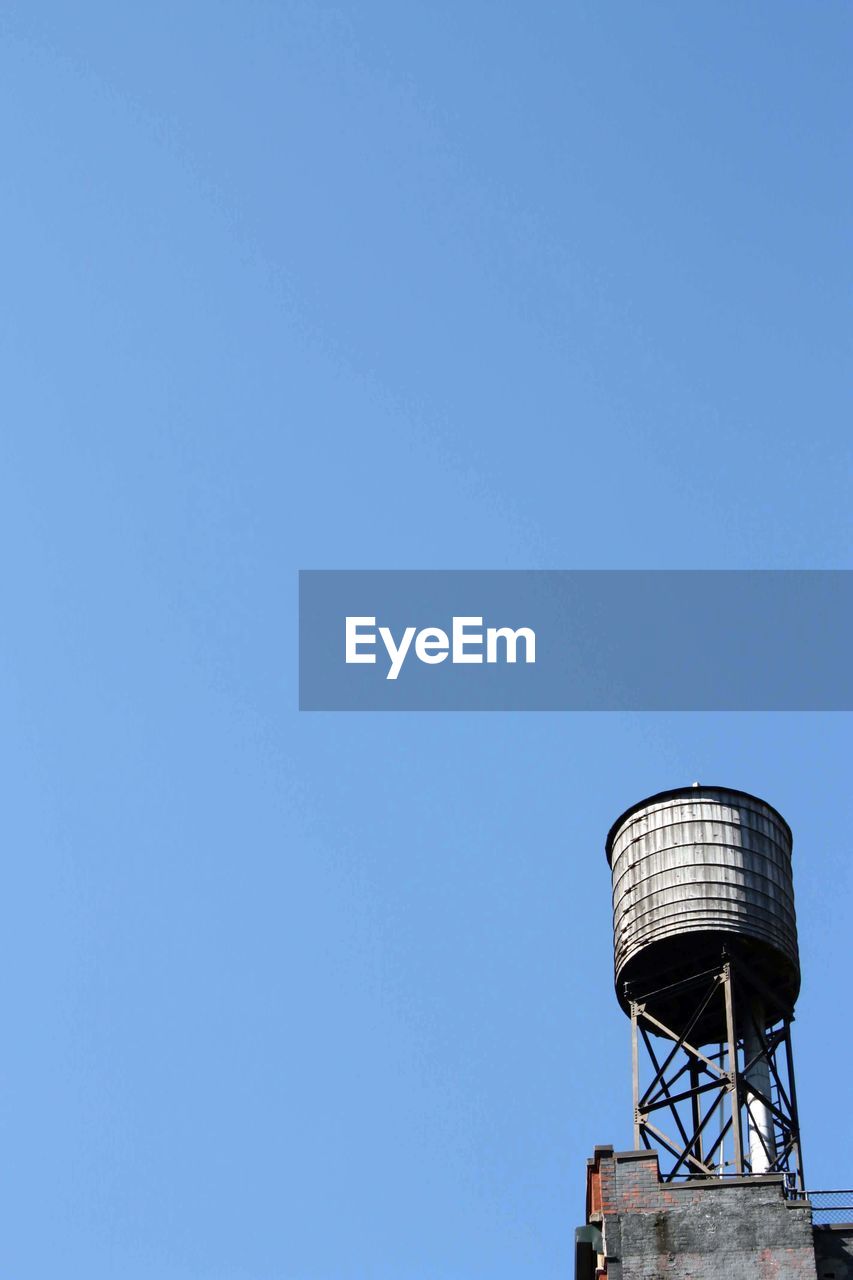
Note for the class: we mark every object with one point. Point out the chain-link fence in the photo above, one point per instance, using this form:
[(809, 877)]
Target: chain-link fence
[(832, 1206)]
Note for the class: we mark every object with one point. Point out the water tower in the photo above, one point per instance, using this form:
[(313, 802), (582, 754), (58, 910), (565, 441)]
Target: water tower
[(707, 968)]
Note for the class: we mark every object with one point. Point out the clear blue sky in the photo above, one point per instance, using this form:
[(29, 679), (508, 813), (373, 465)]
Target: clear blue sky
[(381, 285)]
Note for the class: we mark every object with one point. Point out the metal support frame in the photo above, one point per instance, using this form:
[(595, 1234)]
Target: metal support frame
[(695, 1109)]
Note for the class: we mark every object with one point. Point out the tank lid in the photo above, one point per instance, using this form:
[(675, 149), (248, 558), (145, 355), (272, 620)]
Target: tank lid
[(687, 793)]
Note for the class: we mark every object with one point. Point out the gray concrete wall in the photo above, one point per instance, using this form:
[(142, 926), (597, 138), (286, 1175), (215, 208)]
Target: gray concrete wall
[(834, 1251)]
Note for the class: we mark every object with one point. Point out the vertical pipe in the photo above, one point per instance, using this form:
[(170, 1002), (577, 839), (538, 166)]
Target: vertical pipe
[(698, 1149), (795, 1115), (721, 1153), (762, 1138), (635, 1073), (733, 1071)]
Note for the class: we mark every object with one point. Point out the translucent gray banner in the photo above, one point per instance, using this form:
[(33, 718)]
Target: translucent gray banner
[(575, 640)]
